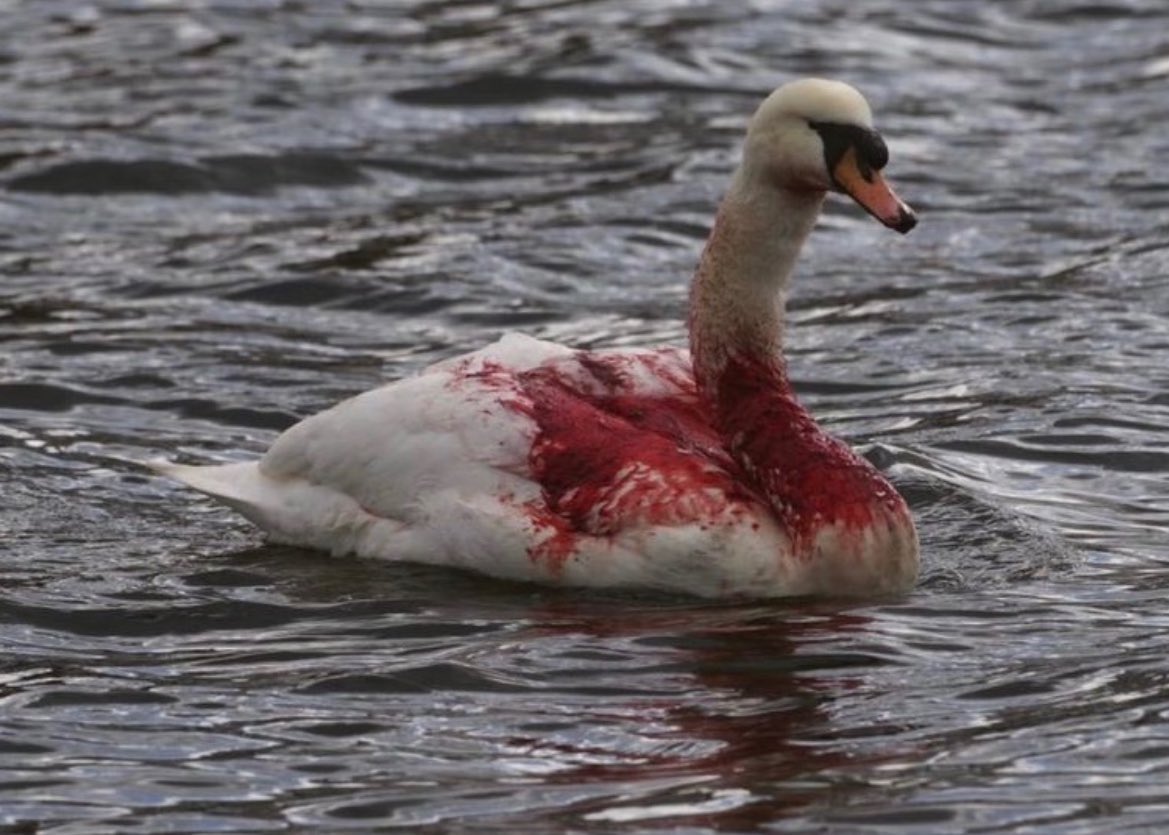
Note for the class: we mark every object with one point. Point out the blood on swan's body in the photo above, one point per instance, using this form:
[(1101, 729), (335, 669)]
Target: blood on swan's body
[(696, 471)]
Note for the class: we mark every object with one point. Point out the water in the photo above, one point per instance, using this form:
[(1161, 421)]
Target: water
[(220, 217)]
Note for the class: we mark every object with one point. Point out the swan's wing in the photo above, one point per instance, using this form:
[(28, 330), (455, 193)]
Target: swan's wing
[(462, 425), (469, 424)]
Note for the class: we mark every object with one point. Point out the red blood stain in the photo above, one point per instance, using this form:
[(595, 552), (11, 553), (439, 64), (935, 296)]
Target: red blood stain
[(610, 458), (559, 542), (608, 461), (811, 479), (488, 374)]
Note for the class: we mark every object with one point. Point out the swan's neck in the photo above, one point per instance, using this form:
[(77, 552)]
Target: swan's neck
[(848, 526), (736, 343), (739, 291)]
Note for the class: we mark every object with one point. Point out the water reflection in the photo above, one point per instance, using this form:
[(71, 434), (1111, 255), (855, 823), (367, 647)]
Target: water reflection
[(752, 704), (694, 711)]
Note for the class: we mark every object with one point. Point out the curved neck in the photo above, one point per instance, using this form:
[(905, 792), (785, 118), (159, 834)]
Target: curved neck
[(739, 290), (736, 333)]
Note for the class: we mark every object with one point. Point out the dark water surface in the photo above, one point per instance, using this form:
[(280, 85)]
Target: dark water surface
[(218, 217)]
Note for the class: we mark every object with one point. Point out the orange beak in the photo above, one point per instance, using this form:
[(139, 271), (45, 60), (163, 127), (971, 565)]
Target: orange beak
[(867, 187)]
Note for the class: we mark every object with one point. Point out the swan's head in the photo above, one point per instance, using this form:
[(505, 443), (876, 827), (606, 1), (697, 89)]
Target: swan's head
[(817, 135)]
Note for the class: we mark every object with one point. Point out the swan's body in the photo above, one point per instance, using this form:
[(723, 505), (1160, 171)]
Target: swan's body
[(688, 471)]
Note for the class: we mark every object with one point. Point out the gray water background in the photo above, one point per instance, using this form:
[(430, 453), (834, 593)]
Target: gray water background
[(219, 217)]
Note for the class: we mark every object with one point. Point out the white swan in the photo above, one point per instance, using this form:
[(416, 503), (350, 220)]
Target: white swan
[(695, 472)]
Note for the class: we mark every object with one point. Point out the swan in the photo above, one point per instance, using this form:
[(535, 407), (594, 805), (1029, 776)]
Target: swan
[(695, 471)]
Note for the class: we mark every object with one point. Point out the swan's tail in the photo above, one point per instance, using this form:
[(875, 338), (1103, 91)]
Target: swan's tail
[(289, 510), (239, 485), (242, 487)]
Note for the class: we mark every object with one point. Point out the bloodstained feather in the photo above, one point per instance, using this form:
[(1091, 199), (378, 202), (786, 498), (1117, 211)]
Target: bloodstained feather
[(812, 479), (608, 457)]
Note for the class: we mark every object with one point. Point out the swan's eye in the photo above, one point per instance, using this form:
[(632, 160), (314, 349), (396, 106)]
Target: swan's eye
[(871, 152), (872, 149)]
